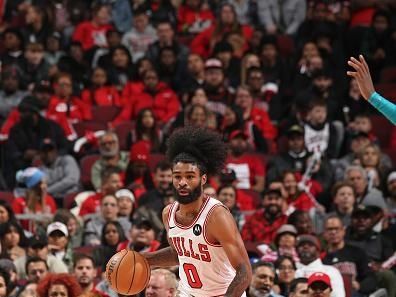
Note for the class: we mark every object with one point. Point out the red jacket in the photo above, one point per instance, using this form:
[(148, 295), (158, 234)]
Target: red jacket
[(130, 89), (102, 96), (187, 17), (204, 42), (90, 35), (263, 122), (91, 204), (164, 103), (75, 110), (14, 117)]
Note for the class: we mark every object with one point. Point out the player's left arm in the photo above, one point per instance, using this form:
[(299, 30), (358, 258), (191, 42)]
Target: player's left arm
[(223, 229)]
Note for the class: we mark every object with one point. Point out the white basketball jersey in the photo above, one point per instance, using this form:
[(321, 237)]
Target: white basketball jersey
[(204, 268)]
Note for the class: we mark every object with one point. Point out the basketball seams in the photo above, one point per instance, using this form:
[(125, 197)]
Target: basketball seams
[(134, 270), (118, 266)]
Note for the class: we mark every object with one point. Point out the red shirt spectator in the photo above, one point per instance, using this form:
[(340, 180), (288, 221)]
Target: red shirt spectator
[(93, 33), (193, 19), (156, 96), (102, 96), (74, 109), (91, 204)]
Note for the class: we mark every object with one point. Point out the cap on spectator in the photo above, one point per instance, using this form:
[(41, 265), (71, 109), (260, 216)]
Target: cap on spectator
[(319, 277), (57, 226), (362, 210), (30, 103), (273, 191), (143, 222), (358, 134), (37, 242), (140, 151), (30, 176), (125, 193), (7, 265), (391, 177), (213, 63), (295, 129), (43, 86), (287, 228), (238, 133), (308, 238), (47, 144)]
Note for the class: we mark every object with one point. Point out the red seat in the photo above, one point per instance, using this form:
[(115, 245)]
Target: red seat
[(255, 196), (122, 130), (387, 90), (154, 159), (82, 127), (68, 200), (388, 75), (382, 128), (104, 114), (7, 196), (86, 164), (285, 44)]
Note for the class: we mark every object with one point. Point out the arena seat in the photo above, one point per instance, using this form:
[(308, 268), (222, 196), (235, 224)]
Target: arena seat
[(382, 128), (86, 164), (154, 159), (122, 130), (104, 114), (388, 75), (89, 126), (7, 196)]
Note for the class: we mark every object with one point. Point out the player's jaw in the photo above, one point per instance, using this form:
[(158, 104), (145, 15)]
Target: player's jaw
[(184, 195)]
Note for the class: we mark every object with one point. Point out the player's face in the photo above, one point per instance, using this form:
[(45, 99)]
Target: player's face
[(85, 272), (187, 182)]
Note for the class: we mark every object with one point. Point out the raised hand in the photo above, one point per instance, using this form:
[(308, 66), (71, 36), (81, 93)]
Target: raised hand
[(362, 76)]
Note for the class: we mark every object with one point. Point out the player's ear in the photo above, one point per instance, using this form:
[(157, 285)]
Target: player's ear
[(204, 179)]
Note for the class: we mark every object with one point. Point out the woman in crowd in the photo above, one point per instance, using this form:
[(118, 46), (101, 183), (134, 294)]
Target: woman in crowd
[(12, 240), (121, 69), (286, 269), (6, 212), (228, 196), (4, 283), (60, 284)]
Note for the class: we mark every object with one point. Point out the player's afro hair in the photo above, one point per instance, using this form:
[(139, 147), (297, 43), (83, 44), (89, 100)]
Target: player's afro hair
[(197, 145)]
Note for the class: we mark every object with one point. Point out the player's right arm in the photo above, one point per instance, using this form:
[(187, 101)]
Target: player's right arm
[(165, 257)]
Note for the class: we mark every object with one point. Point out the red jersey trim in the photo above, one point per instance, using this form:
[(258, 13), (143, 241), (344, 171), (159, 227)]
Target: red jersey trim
[(170, 213), (205, 223), (196, 218)]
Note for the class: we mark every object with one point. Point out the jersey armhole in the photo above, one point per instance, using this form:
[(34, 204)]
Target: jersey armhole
[(215, 244)]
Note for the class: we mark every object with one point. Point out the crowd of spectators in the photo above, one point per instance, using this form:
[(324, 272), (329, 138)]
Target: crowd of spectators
[(91, 91)]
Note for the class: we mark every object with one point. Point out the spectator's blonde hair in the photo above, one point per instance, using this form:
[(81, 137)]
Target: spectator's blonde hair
[(170, 278)]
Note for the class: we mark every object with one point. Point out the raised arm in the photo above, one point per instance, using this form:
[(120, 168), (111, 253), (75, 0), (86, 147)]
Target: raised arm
[(366, 87), (165, 257), (222, 228)]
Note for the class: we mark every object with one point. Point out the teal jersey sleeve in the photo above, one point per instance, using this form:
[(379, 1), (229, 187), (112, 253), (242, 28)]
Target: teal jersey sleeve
[(387, 108)]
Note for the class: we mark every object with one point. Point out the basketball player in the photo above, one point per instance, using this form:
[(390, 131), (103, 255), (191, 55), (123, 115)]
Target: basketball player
[(203, 236)]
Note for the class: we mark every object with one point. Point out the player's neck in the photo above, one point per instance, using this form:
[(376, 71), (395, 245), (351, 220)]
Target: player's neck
[(191, 208)]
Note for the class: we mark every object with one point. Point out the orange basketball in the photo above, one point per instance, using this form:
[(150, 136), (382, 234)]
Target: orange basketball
[(128, 272)]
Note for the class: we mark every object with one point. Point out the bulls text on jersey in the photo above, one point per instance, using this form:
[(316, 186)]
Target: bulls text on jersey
[(185, 247)]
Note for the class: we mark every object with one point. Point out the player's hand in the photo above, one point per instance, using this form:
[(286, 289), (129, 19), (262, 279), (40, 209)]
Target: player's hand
[(362, 76)]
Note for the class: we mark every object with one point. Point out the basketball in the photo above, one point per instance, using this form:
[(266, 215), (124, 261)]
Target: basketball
[(128, 272)]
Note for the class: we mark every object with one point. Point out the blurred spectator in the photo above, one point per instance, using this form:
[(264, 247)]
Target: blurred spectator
[(34, 68), (108, 213), (224, 51), (249, 169), (263, 280), (320, 283), (357, 176), (110, 157), (58, 243), (391, 190), (6, 212), (281, 17), (11, 94), (8, 267), (170, 70), (226, 23), (85, 272), (64, 102), (146, 129), (162, 283), (293, 158), (92, 33), (111, 183), (103, 56), (246, 11), (28, 290), (142, 237), (263, 225), (161, 10), (36, 269), (74, 228), (126, 203), (227, 195), (38, 25), (286, 269), (62, 171), (58, 285), (308, 249), (53, 49), (38, 247), (13, 240), (302, 221), (13, 47), (250, 61), (157, 96), (140, 36), (344, 200), (112, 236), (166, 38), (194, 76), (100, 92), (120, 70), (193, 16), (349, 260), (299, 287), (36, 201)]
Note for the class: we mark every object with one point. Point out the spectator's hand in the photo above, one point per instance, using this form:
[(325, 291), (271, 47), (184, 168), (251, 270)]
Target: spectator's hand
[(362, 76)]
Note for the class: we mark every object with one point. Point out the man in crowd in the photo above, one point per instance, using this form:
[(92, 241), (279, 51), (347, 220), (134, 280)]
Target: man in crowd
[(85, 272), (263, 280), (319, 284), (299, 287), (36, 269), (162, 283)]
